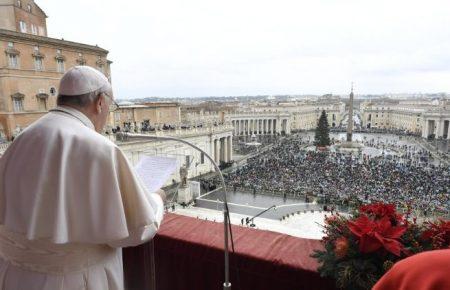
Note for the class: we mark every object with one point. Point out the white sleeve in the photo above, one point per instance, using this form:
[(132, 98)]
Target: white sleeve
[(147, 232)]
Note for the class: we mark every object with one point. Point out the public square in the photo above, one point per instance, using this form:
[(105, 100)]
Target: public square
[(389, 168)]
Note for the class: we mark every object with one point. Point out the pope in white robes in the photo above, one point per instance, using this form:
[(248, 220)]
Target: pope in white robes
[(69, 198)]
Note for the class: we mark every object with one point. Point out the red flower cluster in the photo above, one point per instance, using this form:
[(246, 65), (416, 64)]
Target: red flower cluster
[(438, 233), (377, 237), (381, 210), (375, 234)]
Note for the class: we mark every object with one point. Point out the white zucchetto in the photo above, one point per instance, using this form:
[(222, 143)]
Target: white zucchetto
[(80, 80)]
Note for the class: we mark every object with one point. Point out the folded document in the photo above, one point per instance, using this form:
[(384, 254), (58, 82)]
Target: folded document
[(154, 171)]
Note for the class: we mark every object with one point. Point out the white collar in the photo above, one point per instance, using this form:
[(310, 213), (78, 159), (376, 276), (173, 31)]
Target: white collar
[(75, 113)]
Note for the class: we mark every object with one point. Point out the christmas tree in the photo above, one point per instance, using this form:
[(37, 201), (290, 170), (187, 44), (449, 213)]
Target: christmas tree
[(322, 137)]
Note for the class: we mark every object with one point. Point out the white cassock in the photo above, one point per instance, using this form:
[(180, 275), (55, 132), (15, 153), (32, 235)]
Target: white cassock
[(69, 200)]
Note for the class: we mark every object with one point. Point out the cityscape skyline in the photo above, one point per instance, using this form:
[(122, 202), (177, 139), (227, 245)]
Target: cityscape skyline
[(175, 49)]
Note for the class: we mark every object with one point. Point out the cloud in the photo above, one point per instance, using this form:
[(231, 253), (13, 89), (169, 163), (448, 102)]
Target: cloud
[(235, 47)]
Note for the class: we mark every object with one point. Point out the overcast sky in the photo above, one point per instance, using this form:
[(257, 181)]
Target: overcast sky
[(188, 48)]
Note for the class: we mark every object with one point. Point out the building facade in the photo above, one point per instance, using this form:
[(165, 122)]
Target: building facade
[(260, 123), (427, 118), (32, 64), (267, 118), (135, 117)]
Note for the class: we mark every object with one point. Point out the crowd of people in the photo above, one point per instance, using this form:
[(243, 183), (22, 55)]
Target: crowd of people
[(404, 179)]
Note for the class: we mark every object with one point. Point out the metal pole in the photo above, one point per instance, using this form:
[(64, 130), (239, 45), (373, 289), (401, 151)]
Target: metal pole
[(226, 284)]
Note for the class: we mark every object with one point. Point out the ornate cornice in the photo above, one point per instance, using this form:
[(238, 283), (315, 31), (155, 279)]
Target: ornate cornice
[(13, 35), (42, 96), (12, 51), (60, 57), (38, 54), (17, 96)]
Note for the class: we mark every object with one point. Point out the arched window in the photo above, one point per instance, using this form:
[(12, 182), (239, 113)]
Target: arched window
[(29, 7), (19, 3)]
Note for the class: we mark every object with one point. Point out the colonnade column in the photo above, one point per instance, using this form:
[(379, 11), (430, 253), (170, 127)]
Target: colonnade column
[(216, 151), (222, 150), (229, 148), (448, 128), (225, 149), (438, 129)]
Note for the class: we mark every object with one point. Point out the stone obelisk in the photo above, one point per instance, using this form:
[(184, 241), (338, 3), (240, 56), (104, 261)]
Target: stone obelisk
[(350, 118)]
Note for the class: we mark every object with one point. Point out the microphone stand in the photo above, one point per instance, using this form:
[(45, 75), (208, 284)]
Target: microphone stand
[(226, 212), (248, 220)]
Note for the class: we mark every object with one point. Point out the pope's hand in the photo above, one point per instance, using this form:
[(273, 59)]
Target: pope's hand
[(162, 194)]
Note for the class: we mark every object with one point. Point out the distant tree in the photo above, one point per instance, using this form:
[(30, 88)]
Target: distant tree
[(322, 137)]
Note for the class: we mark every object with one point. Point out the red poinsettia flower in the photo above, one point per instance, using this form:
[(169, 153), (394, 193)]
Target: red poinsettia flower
[(380, 210), (439, 232), (376, 234)]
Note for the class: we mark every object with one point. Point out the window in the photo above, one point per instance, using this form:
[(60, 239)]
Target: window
[(41, 31), (38, 63), (60, 65), (23, 26), (18, 104), (29, 7), (42, 104), (202, 158), (52, 91), (10, 44), (34, 29), (19, 3), (13, 61)]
